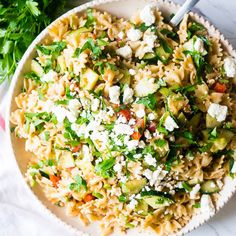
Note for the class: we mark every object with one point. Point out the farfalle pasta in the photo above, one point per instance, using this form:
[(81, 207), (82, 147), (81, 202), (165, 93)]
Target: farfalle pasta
[(129, 122)]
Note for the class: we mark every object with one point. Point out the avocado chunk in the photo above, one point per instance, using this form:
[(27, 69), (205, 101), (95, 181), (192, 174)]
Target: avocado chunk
[(209, 186), (134, 186), (37, 68), (157, 201), (88, 79)]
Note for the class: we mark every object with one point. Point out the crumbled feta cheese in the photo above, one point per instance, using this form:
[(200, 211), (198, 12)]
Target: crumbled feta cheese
[(110, 111), (117, 167), (134, 34), (132, 121), (72, 117), (132, 144), (51, 76), (95, 104), (151, 116), (148, 174), (114, 94), (150, 160), (125, 52), (170, 124), (137, 156), (149, 40), (74, 106), (132, 204), (206, 204), (141, 144), (218, 112), (140, 113), (132, 72), (147, 134), (121, 35), (123, 129), (194, 191), (147, 15), (128, 95), (199, 46), (195, 44), (233, 170), (86, 153), (60, 113), (230, 67), (145, 86)]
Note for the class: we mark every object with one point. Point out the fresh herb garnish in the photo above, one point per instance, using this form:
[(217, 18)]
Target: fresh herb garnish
[(78, 184), (105, 168), (150, 101)]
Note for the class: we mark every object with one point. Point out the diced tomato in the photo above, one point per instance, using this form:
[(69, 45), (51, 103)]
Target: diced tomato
[(136, 136), (54, 179), (89, 197), (152, 127), (220, 88), (76, 148), (126, 113)]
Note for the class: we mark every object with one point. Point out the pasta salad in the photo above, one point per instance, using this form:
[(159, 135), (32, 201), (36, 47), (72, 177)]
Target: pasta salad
[(129, 122)]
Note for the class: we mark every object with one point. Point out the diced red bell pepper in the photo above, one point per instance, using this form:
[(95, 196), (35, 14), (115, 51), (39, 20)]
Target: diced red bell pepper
[(89, 197), (54, 179), (126, 113), (220, 88)]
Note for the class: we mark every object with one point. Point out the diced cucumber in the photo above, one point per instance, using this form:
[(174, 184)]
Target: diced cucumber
[(224, 137), (142, 208), (149, 56), (88, 79), (209, 186), (62, 64), (182, 118), (37, 68), (211, 122), (162, 55), (157, 201), (133, 186), (195, 121)]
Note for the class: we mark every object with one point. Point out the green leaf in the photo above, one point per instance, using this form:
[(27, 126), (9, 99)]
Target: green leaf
[(105, 168), (78, 184), (160, 142), (54, 49), (33, 8), (150, 101), (166, 46), (142, 27), (97, 195), (7, 47), (122, 198), (90, 19), (186, 186), (168, 33), (33, 76), (46, 135)]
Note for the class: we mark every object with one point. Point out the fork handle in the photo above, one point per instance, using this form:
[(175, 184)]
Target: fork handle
[(186, 7)]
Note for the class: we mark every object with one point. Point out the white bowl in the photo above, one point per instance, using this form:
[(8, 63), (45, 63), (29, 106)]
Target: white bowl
[(123, 8)]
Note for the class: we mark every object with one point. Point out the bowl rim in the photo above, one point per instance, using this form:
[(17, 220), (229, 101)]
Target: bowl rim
[(199, 18)]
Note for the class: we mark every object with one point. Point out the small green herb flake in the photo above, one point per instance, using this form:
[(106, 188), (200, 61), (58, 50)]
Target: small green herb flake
[(122, 198), (150, 101), (186, 186), (160, 142), (78, 184), (105, 168), (97, 195)]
